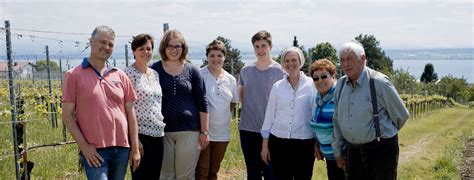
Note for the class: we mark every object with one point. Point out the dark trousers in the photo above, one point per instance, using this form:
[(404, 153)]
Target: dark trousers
[(251, 144), (291, 158), (374, 160), (150, 163), (334, 172), (210, 160)]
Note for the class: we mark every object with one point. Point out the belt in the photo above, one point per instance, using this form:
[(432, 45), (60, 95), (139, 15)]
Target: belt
[(374, 142)]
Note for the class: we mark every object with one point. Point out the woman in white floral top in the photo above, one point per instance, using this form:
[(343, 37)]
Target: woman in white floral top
[(148, 108)]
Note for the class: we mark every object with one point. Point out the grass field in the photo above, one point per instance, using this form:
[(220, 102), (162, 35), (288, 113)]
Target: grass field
[(430, 148)]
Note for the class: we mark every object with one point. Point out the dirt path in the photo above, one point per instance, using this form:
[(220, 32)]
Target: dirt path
[(414, 149), (417, 148), (467, 170)]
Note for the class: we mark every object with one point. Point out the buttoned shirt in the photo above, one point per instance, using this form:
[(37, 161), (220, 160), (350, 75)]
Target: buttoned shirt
[(353, 110), (220, 92), (184, 96), (148, 105), (99, 103), (289, 111)]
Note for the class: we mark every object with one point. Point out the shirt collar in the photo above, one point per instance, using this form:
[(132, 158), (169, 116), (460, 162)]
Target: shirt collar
[(300, 80), (85, 64), (362, 78)]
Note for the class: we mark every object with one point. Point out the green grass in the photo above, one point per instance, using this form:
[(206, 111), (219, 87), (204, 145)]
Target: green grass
[(430, 148)]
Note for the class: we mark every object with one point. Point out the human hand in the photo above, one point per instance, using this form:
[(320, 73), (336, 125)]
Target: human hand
[(203, 141), (140, 148), (265, 155), (317, 153), (134, 158), (90, 153), (341, 162)]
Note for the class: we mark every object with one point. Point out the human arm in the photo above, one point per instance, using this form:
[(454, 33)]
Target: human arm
[(265, 153), (394, 105), (88, 151), (240, 88), (267, 125), (200, 99), (338, 139), (134, 156), (204, 138), (317, 151)]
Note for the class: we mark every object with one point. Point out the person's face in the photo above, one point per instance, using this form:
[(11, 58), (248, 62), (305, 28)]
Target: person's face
[(291, 63), (216, 59), (262, 49), (323, 80), (144, 53), (102, 45), (351, 65), (174, 49)]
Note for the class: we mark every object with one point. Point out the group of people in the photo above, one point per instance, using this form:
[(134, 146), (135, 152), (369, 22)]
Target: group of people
[(171, 120)]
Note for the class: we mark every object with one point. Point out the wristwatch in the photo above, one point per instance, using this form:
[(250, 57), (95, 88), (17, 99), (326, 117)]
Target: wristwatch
[(205, 133)]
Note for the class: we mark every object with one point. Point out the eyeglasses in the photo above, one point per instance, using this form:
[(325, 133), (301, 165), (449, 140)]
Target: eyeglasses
[(322, 77), (171, 47)]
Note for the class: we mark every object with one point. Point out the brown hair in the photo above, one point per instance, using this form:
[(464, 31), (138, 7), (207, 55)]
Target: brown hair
[(216, 45), (262, 35), (322, 64), (141, 40), (167, 38)]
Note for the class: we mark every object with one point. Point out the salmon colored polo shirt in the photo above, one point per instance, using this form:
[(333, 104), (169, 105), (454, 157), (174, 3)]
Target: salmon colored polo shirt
[(99, 103)]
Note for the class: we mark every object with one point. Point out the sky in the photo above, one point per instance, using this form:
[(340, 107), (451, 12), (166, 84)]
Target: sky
[(397, 24)]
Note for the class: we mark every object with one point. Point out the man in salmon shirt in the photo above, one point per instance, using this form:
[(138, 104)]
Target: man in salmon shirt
[(98, 111)]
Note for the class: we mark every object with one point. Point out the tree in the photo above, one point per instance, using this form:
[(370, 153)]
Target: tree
[(42, 66), (326, 50), (429, 74), (233, 60), (453, 87), (403, 81), (471, 92), (375, 56)]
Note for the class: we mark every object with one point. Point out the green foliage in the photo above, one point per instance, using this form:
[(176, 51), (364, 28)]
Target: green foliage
[(403, 80), (456, 88), (429, 74), (232, 58), (42, 66), (307, 62), (376, 58), (471, 93), (324, 50), (471, 104)]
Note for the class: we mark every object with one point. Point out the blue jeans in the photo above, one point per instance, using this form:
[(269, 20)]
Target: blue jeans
[(251, 143), (114, 166)]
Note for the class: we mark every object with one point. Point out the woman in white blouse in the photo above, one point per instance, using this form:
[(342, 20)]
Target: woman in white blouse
[(288, 141), (221, 93), (148, 108)]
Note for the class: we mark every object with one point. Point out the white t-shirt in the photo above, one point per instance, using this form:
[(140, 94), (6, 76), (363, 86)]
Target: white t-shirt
[(220, 93)]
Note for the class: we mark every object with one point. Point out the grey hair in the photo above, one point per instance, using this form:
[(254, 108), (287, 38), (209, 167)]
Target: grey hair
[(293, 49), (101, 29), (354, 47)]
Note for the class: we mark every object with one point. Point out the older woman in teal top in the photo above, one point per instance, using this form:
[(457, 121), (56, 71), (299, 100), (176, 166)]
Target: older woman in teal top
[(323, 73)]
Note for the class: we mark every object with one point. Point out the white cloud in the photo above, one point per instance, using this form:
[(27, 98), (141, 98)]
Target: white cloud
[(395, 23)]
